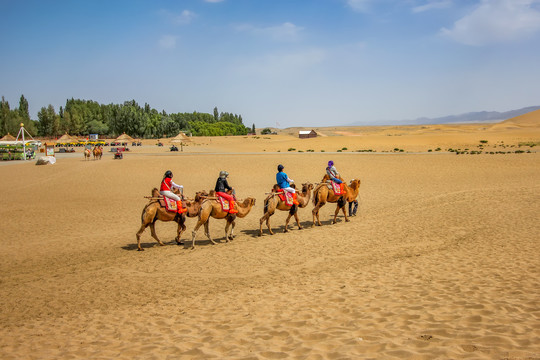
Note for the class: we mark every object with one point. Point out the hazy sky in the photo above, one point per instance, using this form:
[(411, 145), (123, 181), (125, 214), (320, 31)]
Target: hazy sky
[(291, 62)]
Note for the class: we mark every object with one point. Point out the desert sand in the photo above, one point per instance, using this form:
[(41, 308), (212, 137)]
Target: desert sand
[(442, 260)]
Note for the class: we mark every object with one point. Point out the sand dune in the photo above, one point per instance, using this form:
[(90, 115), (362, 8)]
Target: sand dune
[(442, 260)]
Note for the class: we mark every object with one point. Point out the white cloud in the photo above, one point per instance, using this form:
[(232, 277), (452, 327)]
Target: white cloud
[(167, 42), (359, 5), (496, 21), (432, 5), (285, 32), (185, 17)]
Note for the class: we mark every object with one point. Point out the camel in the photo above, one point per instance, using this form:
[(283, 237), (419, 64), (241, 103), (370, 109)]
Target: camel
[(153, 211), (87, 153), (353, 204), (212, 208), (97, 153), (273, 203), (322, 195)]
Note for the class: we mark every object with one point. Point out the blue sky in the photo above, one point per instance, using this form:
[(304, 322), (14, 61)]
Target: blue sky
[(285, 62)]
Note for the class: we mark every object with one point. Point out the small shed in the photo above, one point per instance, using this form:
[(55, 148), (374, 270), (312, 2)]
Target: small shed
[(307, 134)]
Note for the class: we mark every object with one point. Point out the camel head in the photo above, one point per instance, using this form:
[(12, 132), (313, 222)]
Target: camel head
[(155, 192), (354, 184), (245, 206), (248, 202), (200, 196), (306, 187)]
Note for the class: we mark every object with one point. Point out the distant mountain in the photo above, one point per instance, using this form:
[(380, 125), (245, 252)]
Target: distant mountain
[(481, 116)]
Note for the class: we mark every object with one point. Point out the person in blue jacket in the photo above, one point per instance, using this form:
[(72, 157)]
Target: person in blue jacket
[(284, 182)]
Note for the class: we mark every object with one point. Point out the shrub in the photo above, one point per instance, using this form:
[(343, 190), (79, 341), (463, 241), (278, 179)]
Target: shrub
[(291, 149), (344, 148), (484, 141)]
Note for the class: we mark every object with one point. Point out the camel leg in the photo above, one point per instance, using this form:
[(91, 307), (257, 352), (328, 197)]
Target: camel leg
[(287, 223), (233, 224), (181, 229), (345, 214), (154, 235), (315, 213), (297, 221), (139, 233), (194, 232), (207, 232), (227, 227), (266, 218)]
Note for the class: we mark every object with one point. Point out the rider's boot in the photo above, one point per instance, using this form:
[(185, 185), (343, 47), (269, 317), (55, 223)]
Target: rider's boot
[(232, 210), (181, 209)]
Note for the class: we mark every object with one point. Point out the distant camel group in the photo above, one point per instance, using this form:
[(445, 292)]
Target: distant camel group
[(206, 205), (97, 152)]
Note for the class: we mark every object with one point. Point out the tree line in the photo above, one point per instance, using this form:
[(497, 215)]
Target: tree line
[(83, 117)]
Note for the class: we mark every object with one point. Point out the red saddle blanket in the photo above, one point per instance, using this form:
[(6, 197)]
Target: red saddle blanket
[(225, 206), (337, 188), (287, 197), (169, 204)]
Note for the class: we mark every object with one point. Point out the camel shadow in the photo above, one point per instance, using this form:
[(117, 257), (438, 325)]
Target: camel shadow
[(185, 244)]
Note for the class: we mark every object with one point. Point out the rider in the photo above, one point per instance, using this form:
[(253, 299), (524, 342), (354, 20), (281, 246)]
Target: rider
[(283, 182), (221, 187), (333, 173), (167, 185)]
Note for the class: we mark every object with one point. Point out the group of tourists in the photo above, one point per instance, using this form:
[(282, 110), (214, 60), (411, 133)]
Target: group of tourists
[(223, 188)]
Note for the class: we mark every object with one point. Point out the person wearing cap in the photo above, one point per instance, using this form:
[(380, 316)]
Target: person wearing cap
[(166, 190), (222, 186), (284, 182), (333, 173)]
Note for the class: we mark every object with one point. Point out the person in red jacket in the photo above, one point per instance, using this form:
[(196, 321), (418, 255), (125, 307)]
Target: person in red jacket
[(166, 190)]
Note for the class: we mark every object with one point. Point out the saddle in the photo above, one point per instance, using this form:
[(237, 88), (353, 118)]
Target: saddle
[(337, 188), (287, 197), (225, 206), (168, 204), (171, 205)]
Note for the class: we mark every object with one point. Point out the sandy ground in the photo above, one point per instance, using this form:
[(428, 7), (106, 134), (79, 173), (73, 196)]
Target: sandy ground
[(442, 261)]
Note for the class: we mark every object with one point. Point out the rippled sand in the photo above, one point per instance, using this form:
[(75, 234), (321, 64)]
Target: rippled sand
[(442, 260)]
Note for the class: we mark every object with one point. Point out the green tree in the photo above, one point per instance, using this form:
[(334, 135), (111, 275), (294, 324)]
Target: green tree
[(23, 109), (266, 131), (253, 129), (4, 116), (216, 114), (48, 121)]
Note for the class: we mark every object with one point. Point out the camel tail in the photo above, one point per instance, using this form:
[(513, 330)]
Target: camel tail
[(265, 206)]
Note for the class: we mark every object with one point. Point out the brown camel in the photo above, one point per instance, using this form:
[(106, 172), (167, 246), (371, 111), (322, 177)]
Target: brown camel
[(273, 202), (153, 211), (353, 203), (212, 208), (322, 194), (97, 153), (87, 154)]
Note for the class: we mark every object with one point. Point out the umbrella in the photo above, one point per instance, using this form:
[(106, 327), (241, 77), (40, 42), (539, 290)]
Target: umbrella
[(66, 139), (181, 137), (124, 137), (8, 137)]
